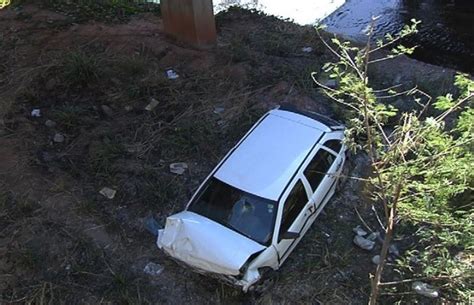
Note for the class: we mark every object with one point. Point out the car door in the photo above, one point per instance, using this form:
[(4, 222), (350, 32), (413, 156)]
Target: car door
[(293, 216)]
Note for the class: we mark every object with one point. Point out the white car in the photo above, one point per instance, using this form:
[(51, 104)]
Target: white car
[(255, 206)]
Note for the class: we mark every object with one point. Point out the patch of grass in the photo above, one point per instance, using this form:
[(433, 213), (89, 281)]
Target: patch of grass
[(70, 117), (81, 69), (103, 154), (132, 66)]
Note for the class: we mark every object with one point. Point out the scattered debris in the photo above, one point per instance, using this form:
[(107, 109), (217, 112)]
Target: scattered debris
[(359, 231), (153, 103), (218, 110), (36, 113), (107, 110), (307, 49), (58, 138), (171, 74), (50, 124), (424, 289), (178, 168), (364, 243), (376, 259), (108, 192), (153, 269)]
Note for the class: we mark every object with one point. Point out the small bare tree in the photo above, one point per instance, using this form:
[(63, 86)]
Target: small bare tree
[(418, 166)]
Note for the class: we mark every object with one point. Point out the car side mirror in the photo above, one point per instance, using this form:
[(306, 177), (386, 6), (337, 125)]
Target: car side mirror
[(290, 235)]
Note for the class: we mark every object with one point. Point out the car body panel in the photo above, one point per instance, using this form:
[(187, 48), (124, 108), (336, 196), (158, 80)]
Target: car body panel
[(205, 244), (267, 159)]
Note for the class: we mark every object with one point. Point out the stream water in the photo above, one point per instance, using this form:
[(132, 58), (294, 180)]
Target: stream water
[(446, 35)]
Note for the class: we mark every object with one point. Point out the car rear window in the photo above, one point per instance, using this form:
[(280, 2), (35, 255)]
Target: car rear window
[(245, 213)]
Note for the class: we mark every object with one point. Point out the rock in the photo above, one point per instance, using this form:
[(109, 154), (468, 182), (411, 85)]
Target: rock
[(152, 105), (307, 49), (376, 259), (36, 113), (178, 168), (107, 110), (50, 124), (424, 289), (58, 138), (394, 250), (50, 84), (331, 83), (153, 269), (128, 108), (373, 236), (219, 110), (359, 231), (108, 192), (364, 243)]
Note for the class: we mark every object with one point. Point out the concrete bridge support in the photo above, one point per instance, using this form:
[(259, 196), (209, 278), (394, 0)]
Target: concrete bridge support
[(190, 21)]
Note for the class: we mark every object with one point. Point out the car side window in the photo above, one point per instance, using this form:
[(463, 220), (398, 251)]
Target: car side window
[(335, 145), (318, 167), (294, 204)]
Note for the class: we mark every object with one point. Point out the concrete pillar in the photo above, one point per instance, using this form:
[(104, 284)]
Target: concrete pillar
[(190, 21)]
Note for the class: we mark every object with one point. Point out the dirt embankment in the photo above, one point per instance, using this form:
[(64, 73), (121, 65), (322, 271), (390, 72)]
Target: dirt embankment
[(63, 242)]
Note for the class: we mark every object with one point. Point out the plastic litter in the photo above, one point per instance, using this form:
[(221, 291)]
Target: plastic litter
[(36, 113), (171, 74), (364, 243), (108, 192), (153, 269), (359, 231), (152, 105), (307, 49), (58, 138), (425, 290), (178, 168)]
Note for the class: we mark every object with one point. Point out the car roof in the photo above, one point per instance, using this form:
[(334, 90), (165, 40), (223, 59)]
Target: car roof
[(269, 156)]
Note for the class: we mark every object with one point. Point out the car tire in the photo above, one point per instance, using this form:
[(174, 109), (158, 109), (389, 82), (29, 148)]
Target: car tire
[(266, 282)]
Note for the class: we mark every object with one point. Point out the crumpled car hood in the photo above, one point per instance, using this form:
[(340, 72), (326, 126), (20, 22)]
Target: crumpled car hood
[(205, 244)]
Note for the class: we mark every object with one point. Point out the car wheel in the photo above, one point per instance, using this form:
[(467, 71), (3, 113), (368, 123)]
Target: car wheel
[(266, 282)]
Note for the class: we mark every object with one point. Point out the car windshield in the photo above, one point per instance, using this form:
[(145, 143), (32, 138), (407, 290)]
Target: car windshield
[(247, 214)]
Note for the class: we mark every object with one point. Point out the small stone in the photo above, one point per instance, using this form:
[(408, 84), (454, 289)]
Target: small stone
[(128, 108), (424, 289), (219, 110), (178, 168), (107, 110), (58, 138), (394, 250), (307, 49), (153, 269), (364, 243), (373, 236), (50, 124), (50, 84), (359, 231), (331, 83), (36, 113), (108, 192), (152, 105), (376, 259)]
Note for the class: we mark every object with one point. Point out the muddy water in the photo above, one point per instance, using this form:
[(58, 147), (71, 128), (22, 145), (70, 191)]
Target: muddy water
[(446, 35)]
